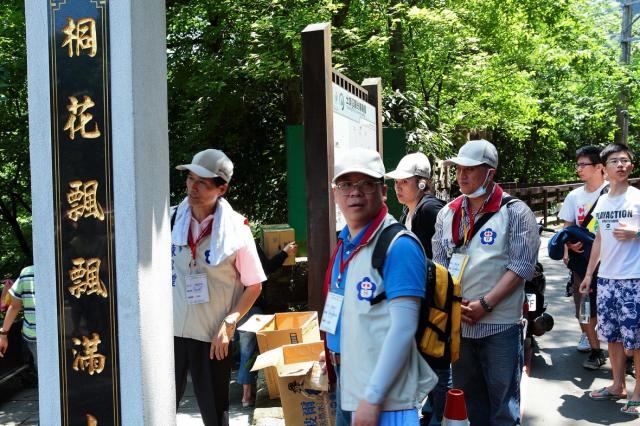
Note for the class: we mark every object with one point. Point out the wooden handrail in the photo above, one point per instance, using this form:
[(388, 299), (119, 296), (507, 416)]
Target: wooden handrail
[(541, 198)]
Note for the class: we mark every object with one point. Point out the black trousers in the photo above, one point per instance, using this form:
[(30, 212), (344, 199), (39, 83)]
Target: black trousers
[(210, 378)]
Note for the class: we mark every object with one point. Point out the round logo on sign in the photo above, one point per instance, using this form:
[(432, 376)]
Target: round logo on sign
[(366, 289), (488, 236)]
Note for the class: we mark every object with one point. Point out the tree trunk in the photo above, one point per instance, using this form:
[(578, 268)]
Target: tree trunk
[(5, 214), (396, 51)]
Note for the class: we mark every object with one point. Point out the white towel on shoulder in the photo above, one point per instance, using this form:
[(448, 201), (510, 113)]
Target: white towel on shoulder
[(226, 234)]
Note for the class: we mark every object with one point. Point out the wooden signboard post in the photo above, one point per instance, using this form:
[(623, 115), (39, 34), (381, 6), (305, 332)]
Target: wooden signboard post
[(338, 114)]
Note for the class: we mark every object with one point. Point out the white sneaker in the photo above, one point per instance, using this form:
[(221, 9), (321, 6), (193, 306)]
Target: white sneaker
[(583, 344)]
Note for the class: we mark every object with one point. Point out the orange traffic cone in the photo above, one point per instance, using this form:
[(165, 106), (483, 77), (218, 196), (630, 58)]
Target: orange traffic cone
[(455, 410)]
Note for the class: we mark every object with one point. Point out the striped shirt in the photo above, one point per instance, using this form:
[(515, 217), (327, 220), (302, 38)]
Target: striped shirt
[(24, 289), (522, 246)]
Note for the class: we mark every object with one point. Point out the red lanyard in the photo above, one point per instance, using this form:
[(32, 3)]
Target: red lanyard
[(343, 264), (203, 234)]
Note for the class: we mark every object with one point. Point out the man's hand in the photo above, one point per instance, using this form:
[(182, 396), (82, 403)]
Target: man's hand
[(220, 344), (574, 247), (585, 285), (366, 414), (577, 247), (291, 248), (471, 312), (625, 232), (4, 344), (322, 359)]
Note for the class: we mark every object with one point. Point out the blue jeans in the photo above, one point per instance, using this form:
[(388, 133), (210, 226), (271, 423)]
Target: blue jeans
[(488, 371), (434, 407), (248, 345)]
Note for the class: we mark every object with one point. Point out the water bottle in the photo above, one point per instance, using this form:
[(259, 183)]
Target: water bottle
[(585, 309)]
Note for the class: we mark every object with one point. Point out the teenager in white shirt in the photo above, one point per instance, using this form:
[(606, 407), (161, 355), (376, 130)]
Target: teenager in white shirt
[(617, 248), (574, 211)]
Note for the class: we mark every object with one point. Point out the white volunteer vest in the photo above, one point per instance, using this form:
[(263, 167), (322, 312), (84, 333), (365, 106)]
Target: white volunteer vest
[(201, 321), (363, 330), (488, 258)]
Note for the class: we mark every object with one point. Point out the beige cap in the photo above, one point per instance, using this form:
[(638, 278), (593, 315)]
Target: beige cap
[(210, 163), (416, 164), (474, 153), (358, 160)]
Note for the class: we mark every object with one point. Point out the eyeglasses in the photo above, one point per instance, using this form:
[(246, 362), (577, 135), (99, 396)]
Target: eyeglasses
[(366, 186), (583, 165), (621, 160)]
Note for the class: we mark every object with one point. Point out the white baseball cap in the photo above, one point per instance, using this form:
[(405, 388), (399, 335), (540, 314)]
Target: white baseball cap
[(474, 153), (358, 160), (416, 164), (210, 163)]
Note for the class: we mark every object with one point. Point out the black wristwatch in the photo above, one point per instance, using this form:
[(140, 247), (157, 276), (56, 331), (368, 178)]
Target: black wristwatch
[(487, 307), (3, 332)]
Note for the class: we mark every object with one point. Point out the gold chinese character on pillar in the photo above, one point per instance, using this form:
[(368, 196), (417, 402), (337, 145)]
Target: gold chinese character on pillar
[(85, 276), (79, 36), (89, 359), (79, 115), (82, 200)]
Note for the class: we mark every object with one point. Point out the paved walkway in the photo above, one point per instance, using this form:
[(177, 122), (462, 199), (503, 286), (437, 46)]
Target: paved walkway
[(19, 406), (557, 391)]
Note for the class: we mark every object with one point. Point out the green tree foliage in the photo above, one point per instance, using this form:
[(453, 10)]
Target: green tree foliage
[(537, 77), (15, 190)]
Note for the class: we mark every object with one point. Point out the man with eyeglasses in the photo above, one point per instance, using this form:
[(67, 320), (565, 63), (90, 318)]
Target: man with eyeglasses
[(382, 378), (577, 210), (617, 249), (489, 241)]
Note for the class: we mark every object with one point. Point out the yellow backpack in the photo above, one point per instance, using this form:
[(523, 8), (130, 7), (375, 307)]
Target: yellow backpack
[(439, 328), (438, 332)]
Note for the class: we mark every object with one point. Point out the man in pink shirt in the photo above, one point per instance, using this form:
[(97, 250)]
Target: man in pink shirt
[(216, 278)]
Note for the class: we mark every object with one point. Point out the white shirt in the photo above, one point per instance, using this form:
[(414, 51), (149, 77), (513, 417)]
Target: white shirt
[(578, 203), (618, 259)]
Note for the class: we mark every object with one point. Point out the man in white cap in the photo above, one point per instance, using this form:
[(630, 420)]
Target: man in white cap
[(490, 242), (216, 277), (370, 321)]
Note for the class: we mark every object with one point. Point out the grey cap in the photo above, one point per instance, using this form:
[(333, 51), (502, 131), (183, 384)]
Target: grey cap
[(474, 153), (358, 160), (416, 164), (210, 163)]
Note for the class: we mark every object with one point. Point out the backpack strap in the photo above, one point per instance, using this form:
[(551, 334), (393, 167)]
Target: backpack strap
[(486, 216), (173, 217), (385, 239), (589, 215)]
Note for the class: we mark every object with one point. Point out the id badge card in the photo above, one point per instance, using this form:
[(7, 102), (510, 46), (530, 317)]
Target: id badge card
[(331, 312), (197, 289), (457, 264)]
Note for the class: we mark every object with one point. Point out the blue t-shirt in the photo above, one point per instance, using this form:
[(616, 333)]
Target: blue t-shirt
[(404, 272)]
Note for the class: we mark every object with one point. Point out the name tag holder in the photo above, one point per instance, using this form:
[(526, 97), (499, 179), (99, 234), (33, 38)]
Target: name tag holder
[(197, 288), (331, 313), (457, 263)]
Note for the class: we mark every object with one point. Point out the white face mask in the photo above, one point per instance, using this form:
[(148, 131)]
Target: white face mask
[(482, 189)]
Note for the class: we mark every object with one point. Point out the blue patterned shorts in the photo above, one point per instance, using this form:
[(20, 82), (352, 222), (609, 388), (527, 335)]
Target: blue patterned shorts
[(619, 311)]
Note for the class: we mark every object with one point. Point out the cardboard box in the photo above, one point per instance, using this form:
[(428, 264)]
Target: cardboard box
[(304, 391), (286, 328), (274, 238)]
